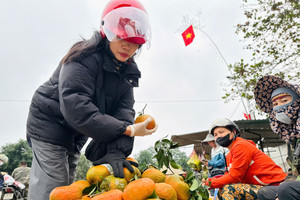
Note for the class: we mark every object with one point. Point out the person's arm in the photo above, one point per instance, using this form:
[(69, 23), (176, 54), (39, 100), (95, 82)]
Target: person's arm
[(117, 150), (241, 159), (124, 110), (13, 174), (76, 89), (127, 131)]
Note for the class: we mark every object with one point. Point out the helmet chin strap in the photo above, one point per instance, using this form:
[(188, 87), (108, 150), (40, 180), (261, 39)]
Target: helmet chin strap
[(234, 135)]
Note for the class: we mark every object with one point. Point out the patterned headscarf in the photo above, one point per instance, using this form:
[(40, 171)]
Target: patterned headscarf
[(262, 93)]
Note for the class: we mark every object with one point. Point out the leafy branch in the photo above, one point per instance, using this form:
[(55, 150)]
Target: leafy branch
[(197, 190), (163, 154), (277, 54), (165, 158)]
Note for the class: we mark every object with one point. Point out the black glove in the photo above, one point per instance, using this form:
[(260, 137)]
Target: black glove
[(117, 161), (133, 163)]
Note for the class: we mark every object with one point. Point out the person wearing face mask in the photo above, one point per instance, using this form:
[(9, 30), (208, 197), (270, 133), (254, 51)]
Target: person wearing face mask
[(248, 168), (281, 101)]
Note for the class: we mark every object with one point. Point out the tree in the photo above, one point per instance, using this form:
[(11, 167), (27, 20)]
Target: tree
[(181, 159), (83, 165), (146, 156), (272, 33), (16, 153)]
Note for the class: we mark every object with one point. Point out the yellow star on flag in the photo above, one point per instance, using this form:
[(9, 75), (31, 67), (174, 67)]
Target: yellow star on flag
[(189, 35)]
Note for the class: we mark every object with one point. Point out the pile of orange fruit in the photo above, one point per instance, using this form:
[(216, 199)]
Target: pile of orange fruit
[(152, 184)]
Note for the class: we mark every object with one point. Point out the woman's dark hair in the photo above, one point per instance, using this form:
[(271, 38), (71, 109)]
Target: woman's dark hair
[(84, 47)]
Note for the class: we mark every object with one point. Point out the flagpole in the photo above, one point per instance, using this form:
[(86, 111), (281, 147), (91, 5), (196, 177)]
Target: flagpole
[(226, 65)]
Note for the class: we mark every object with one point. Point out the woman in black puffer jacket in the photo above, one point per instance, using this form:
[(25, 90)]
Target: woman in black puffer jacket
[(90, 94)]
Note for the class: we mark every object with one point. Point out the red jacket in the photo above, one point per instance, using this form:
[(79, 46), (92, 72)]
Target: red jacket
[(247, 164)]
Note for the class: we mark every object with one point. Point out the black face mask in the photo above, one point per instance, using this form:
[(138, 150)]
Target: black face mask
[(224, 141)]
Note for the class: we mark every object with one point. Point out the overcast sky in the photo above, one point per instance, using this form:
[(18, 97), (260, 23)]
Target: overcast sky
[(181, 85)]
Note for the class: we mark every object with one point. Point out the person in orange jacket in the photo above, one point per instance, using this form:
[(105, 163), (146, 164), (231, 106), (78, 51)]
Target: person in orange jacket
[(248, 168)]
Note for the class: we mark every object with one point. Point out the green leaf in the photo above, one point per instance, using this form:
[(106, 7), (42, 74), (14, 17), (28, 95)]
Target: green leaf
[(89, 190), (166, 161), (157, 145), (153, 195), (190, 176), (199, 197), (174, 165), (203, 191), (160, 154), (194, 185), (166, 141)]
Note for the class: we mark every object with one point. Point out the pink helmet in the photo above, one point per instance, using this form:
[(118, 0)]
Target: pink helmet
[(127, 20)]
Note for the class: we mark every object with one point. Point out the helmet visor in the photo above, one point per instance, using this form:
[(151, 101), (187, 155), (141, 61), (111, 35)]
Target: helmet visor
[(127, 23)]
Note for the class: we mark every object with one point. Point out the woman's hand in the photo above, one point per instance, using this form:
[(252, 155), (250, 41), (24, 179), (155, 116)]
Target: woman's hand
[(140, 129), (117, 161), (205, 182)]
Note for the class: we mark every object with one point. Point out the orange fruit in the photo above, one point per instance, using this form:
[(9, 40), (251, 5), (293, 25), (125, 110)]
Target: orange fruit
[(132, 159), (86, 197), (65, 193), (181, 187), (143, 117), (70, 192), (156, 175), (110, 182), (165, 191), (128, 176), (81, 184), (96, 174), (110, 195), (139, 189)]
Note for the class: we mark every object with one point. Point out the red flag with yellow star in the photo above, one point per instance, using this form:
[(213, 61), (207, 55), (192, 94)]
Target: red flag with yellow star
[(188, 35)]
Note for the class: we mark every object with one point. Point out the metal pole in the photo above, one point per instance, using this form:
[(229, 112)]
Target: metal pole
[(283, 162), (226, 65)]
